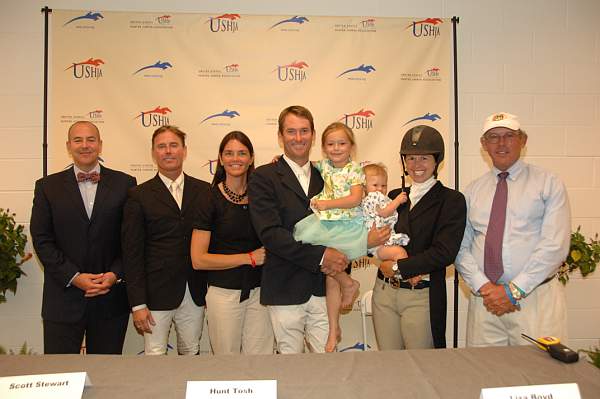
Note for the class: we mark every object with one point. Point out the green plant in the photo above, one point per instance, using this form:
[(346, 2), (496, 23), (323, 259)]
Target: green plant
[(583, 255), (25, 350), (12, 253), (594, 355)]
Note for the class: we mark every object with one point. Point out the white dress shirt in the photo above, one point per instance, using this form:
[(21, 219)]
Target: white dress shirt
[(173, 186), (537, 231), (87, 189), (302, 173), (88, 196)]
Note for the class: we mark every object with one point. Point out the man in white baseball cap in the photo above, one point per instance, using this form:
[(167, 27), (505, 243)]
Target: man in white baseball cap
[(517, 236), (501, 119)]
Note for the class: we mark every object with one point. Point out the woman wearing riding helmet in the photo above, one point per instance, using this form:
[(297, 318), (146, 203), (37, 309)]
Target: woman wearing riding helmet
[(409, 297)]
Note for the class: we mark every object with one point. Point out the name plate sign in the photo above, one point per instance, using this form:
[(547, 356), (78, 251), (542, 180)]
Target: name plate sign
[(248, 389), (44, 386), (551, 391)]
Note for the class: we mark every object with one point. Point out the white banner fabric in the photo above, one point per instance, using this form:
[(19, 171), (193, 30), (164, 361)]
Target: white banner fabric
[(130, 72)]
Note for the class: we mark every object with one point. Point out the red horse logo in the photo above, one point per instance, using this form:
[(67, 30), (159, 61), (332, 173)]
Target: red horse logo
[(231, 17), (157, 110), (432, 21), (90, 61), (297, 64), (367, 114)]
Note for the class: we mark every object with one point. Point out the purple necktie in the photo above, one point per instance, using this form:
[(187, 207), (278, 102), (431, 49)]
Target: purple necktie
[(492, 258)]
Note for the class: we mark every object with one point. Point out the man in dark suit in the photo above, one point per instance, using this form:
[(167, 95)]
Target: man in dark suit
[(293, 279), (163, 288), (75, 225)]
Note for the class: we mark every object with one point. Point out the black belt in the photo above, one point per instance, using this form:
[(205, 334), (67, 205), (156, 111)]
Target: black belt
[(395, 283)]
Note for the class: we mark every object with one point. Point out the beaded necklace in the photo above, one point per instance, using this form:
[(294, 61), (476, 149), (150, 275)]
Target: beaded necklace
[(234, 197)]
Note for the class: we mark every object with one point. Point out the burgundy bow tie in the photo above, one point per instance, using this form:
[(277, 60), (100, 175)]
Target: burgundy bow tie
[(94, 177)]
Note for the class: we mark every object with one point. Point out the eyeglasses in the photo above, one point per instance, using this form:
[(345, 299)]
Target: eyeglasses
[(495, 138)]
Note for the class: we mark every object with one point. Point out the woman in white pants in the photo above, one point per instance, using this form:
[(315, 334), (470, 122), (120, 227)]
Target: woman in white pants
[(224, 243)]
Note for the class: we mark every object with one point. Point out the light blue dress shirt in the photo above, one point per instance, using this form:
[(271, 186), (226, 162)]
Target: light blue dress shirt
[(537, 231)]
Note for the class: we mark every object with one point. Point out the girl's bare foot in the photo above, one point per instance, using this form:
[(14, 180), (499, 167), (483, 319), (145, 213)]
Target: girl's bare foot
[(333, 340), (349, 294)]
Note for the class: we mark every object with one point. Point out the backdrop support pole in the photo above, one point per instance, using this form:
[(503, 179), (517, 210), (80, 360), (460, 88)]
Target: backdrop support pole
[(455, 21), (46, 11)]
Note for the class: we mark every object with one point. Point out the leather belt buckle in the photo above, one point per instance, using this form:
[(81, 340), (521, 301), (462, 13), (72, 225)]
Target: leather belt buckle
[(394, 282)]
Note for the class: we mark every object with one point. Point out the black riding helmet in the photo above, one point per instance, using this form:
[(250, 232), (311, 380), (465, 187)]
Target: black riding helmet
[(423, 140)]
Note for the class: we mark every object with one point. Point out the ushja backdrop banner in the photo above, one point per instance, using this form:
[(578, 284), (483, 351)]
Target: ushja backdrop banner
[(131, 72)]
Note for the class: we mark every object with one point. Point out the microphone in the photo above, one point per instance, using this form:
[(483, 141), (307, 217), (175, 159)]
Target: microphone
[(553, 346)]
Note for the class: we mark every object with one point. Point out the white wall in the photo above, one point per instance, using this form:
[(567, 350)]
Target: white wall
[(539, 59)]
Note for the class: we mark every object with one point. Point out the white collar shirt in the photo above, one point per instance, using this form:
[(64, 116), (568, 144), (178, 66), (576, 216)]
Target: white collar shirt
[(302, 173), (87, 189), (175, 187)]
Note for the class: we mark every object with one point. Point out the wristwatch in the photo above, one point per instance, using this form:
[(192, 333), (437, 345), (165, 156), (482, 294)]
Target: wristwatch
[(516, 292)]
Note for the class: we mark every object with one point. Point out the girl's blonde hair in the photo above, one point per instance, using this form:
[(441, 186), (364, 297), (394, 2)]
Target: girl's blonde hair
[(337, 126), (375, 169)]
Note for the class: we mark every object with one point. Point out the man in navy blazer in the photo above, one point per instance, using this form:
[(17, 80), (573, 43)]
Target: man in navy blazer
[(163, 287), (75, 225), (293, 278)]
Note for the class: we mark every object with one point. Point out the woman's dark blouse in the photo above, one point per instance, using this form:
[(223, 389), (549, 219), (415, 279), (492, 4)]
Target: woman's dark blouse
[(231, 233)]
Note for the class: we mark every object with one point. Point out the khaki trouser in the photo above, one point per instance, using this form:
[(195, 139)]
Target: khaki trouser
[(543, 313), (401, 317)]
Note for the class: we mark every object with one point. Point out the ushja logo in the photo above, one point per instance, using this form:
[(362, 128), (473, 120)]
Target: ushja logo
[(426, 27), (88, 69), (368, 23), (224, 23), (294, 71), (360, 120), (95, 114), (164, 19), (154, 117), (433, 72), (232, 68)]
